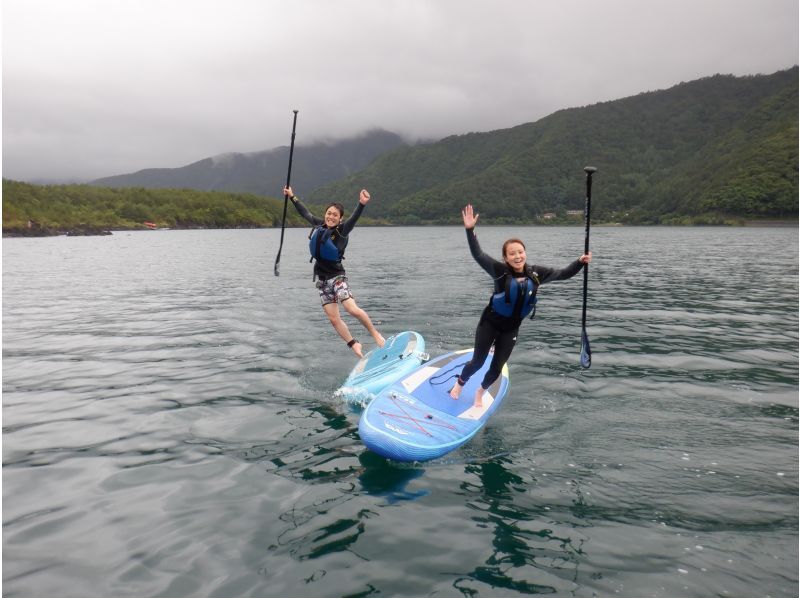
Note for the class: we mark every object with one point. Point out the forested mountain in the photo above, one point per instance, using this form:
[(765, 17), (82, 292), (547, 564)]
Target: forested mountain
[(716, 150), (701, 151), (264, 173)]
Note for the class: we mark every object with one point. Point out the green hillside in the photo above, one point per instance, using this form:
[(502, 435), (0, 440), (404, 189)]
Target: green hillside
[(714, 149), (722, 149), (53, 209)]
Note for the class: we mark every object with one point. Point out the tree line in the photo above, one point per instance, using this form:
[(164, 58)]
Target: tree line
[(55, 209), (718, 150)]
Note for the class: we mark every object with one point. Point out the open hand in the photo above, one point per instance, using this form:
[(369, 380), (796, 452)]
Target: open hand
[(470, 218)]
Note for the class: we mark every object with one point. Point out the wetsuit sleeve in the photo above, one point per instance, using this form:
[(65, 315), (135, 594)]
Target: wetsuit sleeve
[(549, 274), (491, 265), (351, 222), (303, 211)]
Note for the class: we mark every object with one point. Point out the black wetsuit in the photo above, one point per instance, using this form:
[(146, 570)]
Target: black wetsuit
[(325, 269), (494, 328)]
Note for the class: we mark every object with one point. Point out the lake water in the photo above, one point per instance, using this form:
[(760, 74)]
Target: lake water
[(170, 426)]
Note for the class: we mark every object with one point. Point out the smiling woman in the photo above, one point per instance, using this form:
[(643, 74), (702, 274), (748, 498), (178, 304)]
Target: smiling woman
[(327, 243), (515, 286)]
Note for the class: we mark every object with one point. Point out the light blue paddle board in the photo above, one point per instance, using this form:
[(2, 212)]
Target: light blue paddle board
[(415, 419), (401, 354)]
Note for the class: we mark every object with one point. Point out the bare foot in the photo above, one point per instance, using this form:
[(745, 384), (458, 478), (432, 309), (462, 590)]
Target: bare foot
[(379, 339), (357, 349), (478, 398), (455, 392)]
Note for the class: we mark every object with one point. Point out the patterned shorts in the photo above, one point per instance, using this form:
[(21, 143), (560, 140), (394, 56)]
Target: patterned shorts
[(334, 289)]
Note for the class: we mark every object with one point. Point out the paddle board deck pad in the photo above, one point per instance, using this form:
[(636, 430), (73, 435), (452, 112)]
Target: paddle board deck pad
[(415, 419), (400, 354)]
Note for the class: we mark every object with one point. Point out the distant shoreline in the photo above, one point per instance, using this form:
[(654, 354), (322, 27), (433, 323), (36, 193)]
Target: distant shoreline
[(91, 231)]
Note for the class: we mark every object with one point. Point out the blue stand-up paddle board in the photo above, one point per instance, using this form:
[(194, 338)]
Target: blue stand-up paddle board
[(415, 419), (401, 354)]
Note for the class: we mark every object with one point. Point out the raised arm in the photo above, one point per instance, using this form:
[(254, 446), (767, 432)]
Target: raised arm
[(301, 209), (348, 224), (486, 262)]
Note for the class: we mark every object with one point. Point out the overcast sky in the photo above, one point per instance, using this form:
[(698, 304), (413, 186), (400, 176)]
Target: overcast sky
[(93, 88)]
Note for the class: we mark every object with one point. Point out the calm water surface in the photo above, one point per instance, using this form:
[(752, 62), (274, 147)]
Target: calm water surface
[(170, 426)]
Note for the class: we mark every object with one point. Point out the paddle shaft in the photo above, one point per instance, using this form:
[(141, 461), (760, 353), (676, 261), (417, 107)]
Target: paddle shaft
[(285, 197), (589, 172)]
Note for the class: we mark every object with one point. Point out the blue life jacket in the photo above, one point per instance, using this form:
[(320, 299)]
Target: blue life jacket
[(326, 244), (517, 299)]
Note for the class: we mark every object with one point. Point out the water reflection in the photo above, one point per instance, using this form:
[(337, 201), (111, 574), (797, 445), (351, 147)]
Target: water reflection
[(529, 556), (380, 477)]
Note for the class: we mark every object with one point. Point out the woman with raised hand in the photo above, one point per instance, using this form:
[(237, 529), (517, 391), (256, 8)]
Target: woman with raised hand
[(327, 243), (515, 286)]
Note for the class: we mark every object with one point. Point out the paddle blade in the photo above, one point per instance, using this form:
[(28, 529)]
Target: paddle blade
[(586, 350), (277, 270)]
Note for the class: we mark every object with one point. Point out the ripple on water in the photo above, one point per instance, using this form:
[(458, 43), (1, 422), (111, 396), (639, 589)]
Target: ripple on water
[(170, 425)]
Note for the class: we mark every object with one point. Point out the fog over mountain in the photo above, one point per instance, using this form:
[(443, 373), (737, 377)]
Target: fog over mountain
[(264, 172), (98, 88)]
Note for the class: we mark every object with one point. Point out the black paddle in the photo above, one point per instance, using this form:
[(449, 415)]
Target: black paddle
[(586, 351), (286, 197)]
